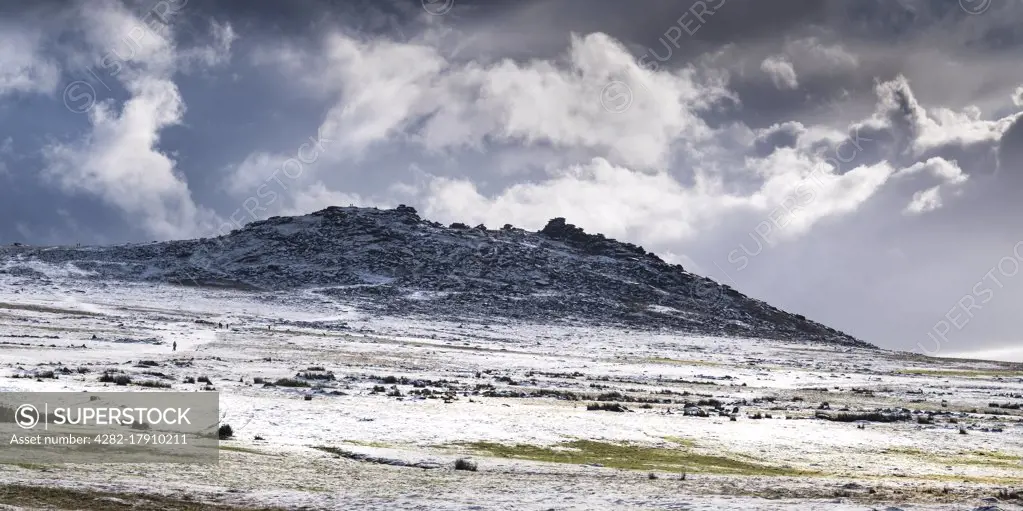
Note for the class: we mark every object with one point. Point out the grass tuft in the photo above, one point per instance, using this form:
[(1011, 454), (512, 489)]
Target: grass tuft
[(631, 457)]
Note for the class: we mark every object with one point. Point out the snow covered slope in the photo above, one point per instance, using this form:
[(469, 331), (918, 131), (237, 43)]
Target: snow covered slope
[(394, 262)]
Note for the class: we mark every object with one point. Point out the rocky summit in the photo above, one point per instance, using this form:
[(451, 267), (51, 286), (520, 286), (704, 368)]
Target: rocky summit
[(392, 261)]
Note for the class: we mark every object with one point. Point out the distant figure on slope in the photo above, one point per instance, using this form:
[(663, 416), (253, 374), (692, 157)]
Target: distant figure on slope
[(174, 347), (220, 325)]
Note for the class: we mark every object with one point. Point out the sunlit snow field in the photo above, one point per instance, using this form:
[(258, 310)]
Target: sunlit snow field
[(397, 400)]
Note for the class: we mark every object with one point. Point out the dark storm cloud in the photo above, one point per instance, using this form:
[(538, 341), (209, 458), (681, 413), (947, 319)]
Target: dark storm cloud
[(669, 32), (780, 135), (308, 18), (795, 70)]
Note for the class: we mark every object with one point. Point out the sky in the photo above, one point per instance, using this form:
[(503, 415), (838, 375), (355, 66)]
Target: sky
[(857, 161)]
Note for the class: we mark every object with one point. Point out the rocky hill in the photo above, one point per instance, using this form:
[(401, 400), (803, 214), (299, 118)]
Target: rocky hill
[(395, 262)]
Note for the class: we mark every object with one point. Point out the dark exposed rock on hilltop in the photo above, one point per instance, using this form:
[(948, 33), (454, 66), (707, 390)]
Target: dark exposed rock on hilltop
[(393, 261), (557, 229)]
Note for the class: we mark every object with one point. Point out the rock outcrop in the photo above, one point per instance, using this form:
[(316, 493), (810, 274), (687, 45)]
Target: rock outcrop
[(395, 262)]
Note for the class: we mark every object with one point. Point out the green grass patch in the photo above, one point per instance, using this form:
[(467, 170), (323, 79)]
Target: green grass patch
[(908, 451), (378, 445), (686, 443), (631, 457), (995, 455), (43, 497)]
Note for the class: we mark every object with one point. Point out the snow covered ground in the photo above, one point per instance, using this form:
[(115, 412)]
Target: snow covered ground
[(751, 424)]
